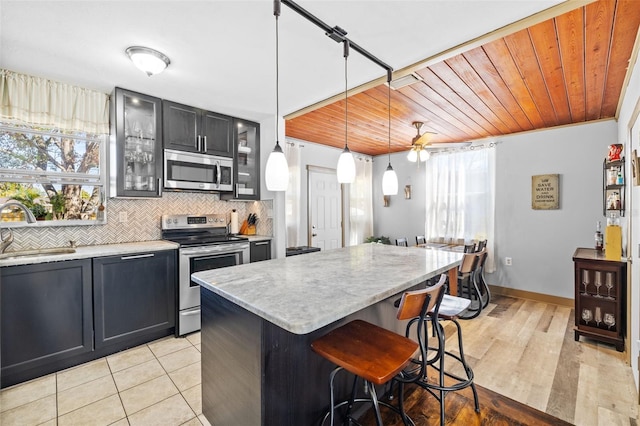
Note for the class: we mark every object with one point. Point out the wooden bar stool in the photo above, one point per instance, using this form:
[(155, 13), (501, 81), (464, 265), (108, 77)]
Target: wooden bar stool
[(451, 308), (378, 355)]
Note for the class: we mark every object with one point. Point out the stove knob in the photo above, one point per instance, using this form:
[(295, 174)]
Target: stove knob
[(175, 221)]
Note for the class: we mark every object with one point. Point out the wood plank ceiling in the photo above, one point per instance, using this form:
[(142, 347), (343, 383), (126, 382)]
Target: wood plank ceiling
[(569, 69)]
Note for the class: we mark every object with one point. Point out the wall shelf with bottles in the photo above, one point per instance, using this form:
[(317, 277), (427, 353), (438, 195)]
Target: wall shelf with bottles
[(613, 175)]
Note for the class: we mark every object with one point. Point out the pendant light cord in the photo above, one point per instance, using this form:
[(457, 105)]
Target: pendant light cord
[(389, 108), (276, 12), (346, 89)]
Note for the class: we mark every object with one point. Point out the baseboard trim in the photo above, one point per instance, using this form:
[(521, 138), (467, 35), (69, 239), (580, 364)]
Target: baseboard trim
[(530, 295)]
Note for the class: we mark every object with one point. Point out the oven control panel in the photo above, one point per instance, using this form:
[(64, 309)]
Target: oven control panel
[(190, 221)]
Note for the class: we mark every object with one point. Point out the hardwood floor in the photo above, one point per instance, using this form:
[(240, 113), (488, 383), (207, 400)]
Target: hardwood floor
[(526, 364)]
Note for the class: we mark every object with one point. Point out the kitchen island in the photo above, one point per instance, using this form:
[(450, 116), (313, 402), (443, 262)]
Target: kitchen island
[(258, 321)]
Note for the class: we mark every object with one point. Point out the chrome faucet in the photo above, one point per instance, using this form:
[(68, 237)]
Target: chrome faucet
[(6, 242)]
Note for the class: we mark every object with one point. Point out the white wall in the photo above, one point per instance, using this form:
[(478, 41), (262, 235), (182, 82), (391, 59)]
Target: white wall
[(403, 217), (541, 242)]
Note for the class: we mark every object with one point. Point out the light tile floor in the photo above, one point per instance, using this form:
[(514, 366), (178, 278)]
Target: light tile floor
[(153, 384), (521, 349)]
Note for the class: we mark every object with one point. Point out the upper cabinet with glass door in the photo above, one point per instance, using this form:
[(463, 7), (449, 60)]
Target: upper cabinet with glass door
[(136, 145), (247, 166)]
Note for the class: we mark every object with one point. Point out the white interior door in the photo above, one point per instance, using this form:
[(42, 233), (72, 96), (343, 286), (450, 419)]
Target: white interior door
[(325, 209)]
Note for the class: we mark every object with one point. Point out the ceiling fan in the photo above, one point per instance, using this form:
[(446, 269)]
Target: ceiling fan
[(419, 144)]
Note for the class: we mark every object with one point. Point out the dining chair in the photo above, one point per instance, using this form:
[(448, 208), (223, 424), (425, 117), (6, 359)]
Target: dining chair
[(420, 240), (485, 292), (402, 242), (468, 286), (470, 248)]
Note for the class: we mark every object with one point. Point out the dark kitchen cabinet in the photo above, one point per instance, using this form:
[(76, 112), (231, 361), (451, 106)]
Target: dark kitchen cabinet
[(134, 295), (136, 145), (246, 161), (260, 250), (600, 297), (46, 317), (186, 128)]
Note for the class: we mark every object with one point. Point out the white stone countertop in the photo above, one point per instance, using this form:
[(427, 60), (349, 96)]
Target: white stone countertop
[(304, 293), (84, 252)]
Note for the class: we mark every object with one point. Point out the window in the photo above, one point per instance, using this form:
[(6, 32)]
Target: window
[(58, 176), (460, 197), (52, 149)]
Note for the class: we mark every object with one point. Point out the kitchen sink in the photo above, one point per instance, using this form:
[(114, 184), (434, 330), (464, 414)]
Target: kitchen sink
[(37, 252)]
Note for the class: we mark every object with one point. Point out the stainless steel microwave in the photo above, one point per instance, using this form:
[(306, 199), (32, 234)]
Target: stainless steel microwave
[(195, 171)]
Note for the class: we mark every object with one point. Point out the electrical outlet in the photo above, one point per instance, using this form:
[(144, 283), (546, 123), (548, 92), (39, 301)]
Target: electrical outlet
[(508, 261), (123, 217)]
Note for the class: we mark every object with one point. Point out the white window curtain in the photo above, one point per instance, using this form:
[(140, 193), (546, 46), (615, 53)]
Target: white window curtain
[(292, 195), (40, 102), (460, 199), (361, 203)]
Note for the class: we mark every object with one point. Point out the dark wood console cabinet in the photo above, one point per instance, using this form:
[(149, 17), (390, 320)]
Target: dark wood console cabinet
[(600, 297)]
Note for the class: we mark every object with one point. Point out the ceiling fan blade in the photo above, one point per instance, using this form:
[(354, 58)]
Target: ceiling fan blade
[(423, 139)]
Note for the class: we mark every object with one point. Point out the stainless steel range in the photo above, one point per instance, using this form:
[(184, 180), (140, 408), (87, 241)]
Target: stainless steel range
[(205, 244)]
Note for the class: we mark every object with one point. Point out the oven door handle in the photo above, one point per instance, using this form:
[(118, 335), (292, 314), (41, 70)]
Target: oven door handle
[(204, 253)]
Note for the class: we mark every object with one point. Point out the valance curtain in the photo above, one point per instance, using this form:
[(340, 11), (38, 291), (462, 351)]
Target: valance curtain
[(460, 199), (292, 195), (41, 102), (361, 203)]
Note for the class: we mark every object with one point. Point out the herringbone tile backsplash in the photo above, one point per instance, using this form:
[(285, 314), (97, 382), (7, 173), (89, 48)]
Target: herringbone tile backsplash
[(143, 220)]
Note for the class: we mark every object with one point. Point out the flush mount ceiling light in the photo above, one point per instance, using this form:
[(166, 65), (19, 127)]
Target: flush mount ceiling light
[(148, 60)]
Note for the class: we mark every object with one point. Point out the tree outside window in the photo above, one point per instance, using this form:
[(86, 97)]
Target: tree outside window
[(56, 175)]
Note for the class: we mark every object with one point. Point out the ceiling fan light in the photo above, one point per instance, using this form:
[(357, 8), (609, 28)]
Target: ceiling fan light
[(424, 155), (346, 167), (148, 60), (277, 171), (412, 156)]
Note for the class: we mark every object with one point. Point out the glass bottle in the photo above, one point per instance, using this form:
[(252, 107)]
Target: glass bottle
[(599, 237)]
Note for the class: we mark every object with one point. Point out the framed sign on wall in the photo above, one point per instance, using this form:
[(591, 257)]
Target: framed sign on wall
[(545, 194)]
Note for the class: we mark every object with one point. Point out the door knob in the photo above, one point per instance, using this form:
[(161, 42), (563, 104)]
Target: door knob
[(314, 235)]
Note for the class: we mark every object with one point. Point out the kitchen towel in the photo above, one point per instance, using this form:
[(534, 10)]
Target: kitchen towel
[(235, 228)]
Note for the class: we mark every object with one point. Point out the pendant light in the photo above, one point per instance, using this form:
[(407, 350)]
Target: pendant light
[(389, 179), (346, 164), (277, 170)]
